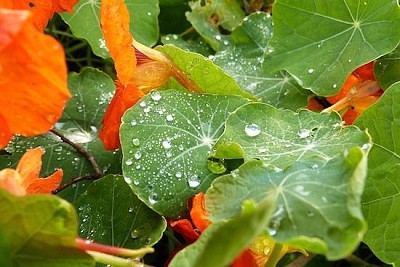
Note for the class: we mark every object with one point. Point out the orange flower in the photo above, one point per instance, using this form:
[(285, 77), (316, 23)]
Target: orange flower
[(139, 69), (33, 85), (43, 10), (25, 179)]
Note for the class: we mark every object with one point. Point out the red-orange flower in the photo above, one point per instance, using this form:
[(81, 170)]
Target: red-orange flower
[(25, 179), (33, 85)]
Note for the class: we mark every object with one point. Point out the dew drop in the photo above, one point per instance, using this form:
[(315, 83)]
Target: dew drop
[(136, 182), (218, 37), (128, 162), (252, 130), (366, 146), (142, 104), (156, 96), (153, 198), (314, 166), (130, 210), (133, 122), (169, 117), (304, 133), (178, 175), (168, 154), (135, 234), (136, 141), (310, 213), (334, 85), (310, 71), (138, 155), (194, 181), (166, 144)]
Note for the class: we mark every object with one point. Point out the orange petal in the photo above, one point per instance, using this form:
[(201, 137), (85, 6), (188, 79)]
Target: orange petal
[(5, 132), (314, 105), (198, 213), (350, 82), (124, 98), (114, 17), (29, 168), (185, 228), (33, 76), (246, 259), (10, 181), (365, 72)]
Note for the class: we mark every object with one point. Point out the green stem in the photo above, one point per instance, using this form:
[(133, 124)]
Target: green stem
[(274, 258), (76, 47), (113, 260)]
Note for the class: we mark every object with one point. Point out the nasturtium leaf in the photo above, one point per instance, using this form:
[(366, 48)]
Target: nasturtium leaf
[(387, 69), (209, 77), (166, 139), (283, 137), (196, 45), (320, 42), (244, 60), (381, 201), (110, 214), (92, 90), (173, 9), (41, 231), (85, 23), (5, 256), (207, 18), (317, 206), (222, 241)]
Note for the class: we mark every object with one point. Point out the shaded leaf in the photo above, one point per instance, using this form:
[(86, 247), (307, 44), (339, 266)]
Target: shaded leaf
[(209, 77), (85, 23), (41, 231), (110, 214), (387, 69), (282, 137), (196, 45), (306, 195), (165, 141), (349, 34), (244, 60), (381, 200), (224, 240)]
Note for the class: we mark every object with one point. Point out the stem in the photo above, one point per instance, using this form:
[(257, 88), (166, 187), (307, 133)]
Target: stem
[(76, 180), (301, 261), (274, 256), (113, 260), (356, 261)]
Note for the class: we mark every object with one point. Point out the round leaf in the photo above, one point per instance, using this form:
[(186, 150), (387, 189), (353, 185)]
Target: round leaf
[(387, 69)]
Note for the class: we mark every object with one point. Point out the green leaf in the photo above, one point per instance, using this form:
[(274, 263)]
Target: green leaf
[(222, 241), (387, 69), (282, 137), (192, 45), (41, 231), (207, 18), (5, 255), (244, 60), (110, 214), (208, 76), (317, 206), (381, 199), (165, 141), (85, 23), (92, 91), (320, 42)]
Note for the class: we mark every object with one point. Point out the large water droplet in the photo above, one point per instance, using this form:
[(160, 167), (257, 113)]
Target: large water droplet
[(133, 122), (166, 144), (135, 234), (252, 130), (310, 71), (178, 175), (128, 162), (136, 141), (138, 155), (194, 181), (153, 198), (156, 96), (142, 104), (170, 117), (304, 133)]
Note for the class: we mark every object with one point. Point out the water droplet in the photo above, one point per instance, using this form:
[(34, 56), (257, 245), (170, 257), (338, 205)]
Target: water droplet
[(130, 209), (136, 182), (138, 155), (168, 154), (135, 234), (334, 85), (153, 198), (194, 181), (136, 141), (142, 104), (366, 146), (310, 213), (169, 117), (275, 221), (218, 37), (300, 189), (304, 133), (178, 175), (133, 122), (277, 169), (128, 162), (146, 110), (155, 95), (252, 130), (314, 166), (310, 71)]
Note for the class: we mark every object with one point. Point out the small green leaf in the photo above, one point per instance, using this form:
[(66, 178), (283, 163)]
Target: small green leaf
[(283, 137), (244, 60), (208, 76), (387, 69), (306, 195), (85, 23), (321, 42), (166, 139), (381, 199), (222, 241), (41, 231), (110, 214)]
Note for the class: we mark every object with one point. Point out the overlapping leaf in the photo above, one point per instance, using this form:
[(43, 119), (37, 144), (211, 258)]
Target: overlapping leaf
[(92, 90), (282, 137), (381, 200), (244, 60), (41, 231), (85, 23), (165, 141), (317, 206), (320, 42), (110, 214), (387, 69)]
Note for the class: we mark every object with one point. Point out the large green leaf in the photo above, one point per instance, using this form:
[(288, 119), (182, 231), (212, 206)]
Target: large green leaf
[(92, 91), (320, 42), (317, 207), (208, 76), (110, 214), (387, 69), (244, 60), (165, 141), (224, 240), (283, 137), (381, 201), (85, 23), (41, 231)]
